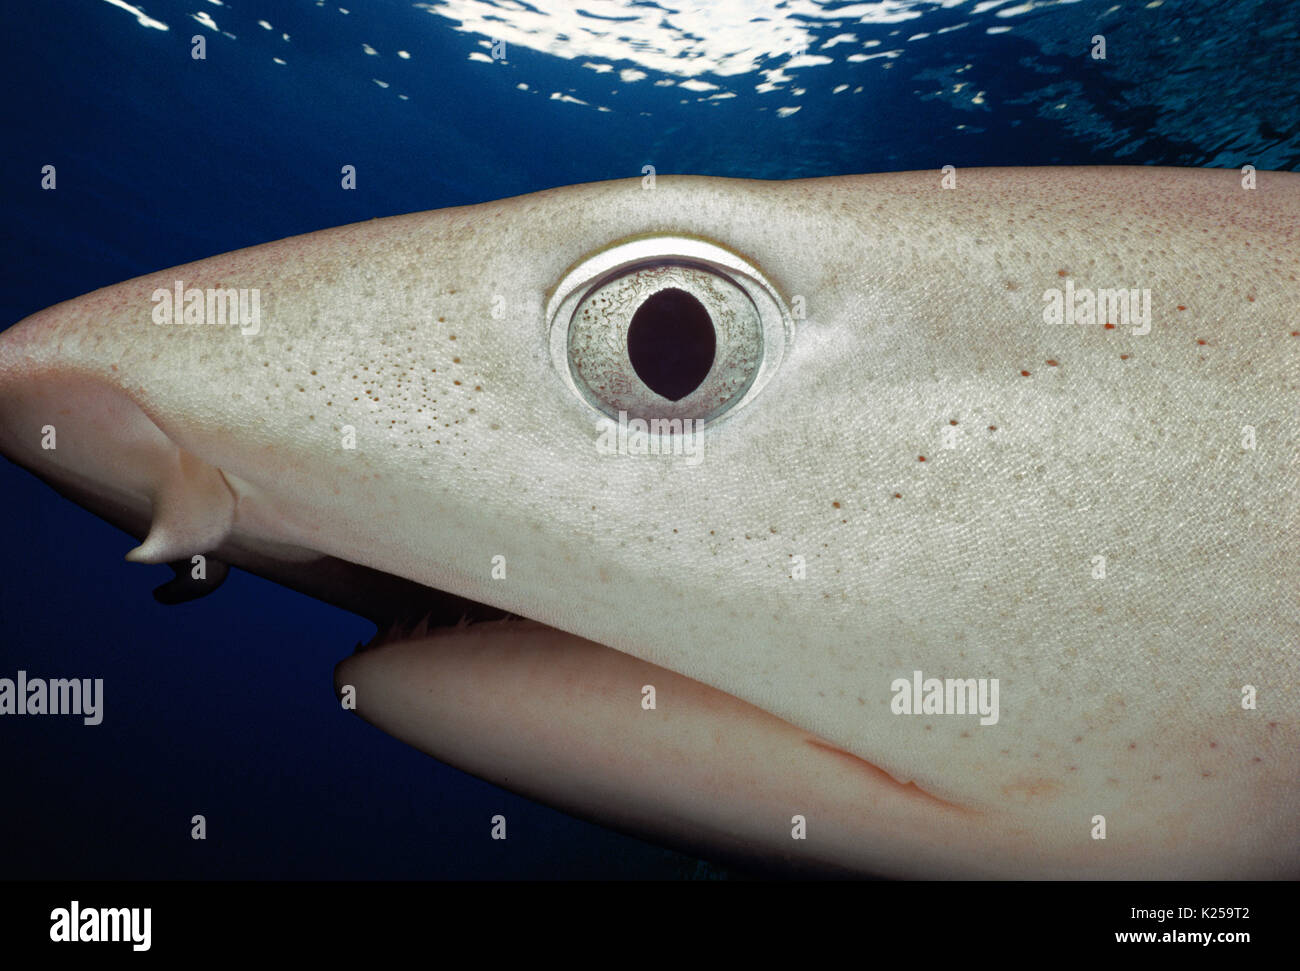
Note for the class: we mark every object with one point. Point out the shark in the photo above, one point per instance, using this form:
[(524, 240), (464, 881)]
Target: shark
[(922, 525)]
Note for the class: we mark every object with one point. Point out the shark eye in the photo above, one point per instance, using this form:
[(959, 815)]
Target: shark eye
[(666, 327)]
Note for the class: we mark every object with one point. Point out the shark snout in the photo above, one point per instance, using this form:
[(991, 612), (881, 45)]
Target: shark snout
[(82, 429), (118, 417)]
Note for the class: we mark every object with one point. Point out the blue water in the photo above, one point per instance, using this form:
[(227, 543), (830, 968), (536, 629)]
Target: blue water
[(224, 706)]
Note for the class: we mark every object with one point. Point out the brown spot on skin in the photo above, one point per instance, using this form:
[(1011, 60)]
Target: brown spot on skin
[(1028, 790), (1024, 374), (1051, 363), (1109, 326), (879, 775)]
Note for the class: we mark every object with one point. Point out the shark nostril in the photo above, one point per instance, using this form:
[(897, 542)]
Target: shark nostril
[(671, 343)]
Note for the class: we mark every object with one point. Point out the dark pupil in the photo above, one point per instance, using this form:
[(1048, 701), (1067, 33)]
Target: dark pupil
[(671, 343)]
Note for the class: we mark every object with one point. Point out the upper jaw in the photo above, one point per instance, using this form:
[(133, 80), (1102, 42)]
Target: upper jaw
[(123, 477)]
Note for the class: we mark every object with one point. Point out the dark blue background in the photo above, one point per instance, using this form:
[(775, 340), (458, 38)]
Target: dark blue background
[(224, 706)]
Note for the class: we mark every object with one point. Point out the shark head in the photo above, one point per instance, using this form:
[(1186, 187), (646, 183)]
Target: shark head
[(820, 536)]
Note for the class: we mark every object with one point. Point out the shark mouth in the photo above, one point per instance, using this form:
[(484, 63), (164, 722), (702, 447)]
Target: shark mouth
[(691, 779)]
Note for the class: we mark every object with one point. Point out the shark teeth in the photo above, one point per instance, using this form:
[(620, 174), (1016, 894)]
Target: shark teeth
[(426, 626)]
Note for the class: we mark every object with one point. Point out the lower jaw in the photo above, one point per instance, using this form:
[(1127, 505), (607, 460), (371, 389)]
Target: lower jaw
[(639, 748)]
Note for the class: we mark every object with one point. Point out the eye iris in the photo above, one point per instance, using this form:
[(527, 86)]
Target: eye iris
[(664, 328), (671, 343)]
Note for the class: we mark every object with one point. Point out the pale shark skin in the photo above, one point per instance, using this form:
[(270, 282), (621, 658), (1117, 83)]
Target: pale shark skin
[(1119, 697)]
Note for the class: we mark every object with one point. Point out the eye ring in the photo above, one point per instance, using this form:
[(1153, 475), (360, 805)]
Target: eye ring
[(742, 366)]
